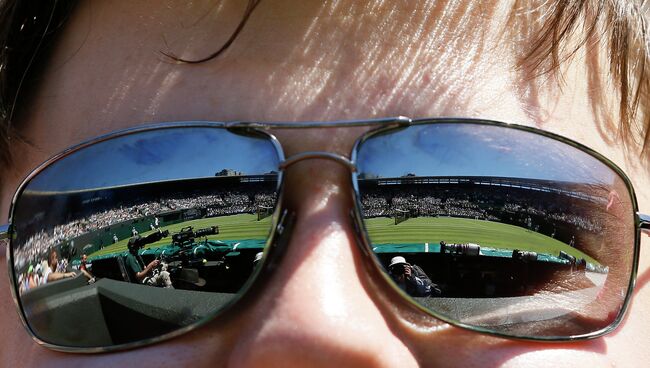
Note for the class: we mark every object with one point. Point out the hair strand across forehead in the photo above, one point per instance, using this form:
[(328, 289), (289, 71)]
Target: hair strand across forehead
[(621, 26)]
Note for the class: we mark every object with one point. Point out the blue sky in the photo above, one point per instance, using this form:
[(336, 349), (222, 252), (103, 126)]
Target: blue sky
[(478, 150), (158, 155)]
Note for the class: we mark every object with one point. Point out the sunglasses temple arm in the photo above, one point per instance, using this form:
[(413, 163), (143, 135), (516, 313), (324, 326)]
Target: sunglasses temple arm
[(644, 223), (4, 237), (4, 231)]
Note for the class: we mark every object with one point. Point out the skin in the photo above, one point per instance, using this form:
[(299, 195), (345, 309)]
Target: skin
[(301, 61)]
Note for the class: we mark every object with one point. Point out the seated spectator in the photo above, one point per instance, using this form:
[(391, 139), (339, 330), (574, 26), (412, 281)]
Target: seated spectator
[(50, 273), (83, 267)]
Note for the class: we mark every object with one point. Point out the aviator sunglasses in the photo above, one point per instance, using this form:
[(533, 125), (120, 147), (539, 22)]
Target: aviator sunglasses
[(146, 233)]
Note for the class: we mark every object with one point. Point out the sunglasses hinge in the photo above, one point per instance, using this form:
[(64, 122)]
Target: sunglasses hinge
[(4, 231), (644, 222)]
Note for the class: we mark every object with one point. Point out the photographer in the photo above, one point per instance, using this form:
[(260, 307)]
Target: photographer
[(411, 278), (149, 275)]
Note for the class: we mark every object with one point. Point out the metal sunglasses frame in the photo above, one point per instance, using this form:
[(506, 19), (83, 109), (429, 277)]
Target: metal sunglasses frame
[(282, 220)]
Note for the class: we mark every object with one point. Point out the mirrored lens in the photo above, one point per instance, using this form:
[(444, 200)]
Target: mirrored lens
[(498, 228), (140, 235)]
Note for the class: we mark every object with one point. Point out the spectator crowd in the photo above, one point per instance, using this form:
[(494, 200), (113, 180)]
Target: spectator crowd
[(530, 209), (218, 203)]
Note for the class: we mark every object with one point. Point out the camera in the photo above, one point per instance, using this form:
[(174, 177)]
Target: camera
[(138, 242), (399, 269), (187, 234)]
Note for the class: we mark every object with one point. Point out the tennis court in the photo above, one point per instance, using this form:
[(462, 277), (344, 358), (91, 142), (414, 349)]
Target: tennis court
[(236, 227), (382, 230)]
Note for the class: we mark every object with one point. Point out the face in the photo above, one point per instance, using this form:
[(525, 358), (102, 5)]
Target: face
[(399, 272), (53, 260), (311, 61)]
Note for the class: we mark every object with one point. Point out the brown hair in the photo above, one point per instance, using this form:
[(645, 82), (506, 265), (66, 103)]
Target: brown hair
[(618, 27), (26, 27)]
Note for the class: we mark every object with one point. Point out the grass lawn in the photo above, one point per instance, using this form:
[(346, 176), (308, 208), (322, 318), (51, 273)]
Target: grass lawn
[(235, 227), (432, 230), (383, 230)]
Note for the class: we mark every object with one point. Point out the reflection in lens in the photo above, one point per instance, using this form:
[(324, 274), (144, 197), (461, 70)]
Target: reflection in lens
[(143, 234), (498, 228)]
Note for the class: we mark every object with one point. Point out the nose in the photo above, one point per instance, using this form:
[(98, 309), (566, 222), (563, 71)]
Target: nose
[(317, 309)]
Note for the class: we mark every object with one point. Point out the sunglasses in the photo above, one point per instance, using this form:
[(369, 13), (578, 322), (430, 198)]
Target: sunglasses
[(508, 230)]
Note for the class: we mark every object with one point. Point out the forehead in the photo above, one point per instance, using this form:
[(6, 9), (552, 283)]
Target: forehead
[(108, 69)]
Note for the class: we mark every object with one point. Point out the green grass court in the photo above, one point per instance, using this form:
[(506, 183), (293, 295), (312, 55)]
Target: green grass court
[(235, 227), (461, 230), (383, 230)]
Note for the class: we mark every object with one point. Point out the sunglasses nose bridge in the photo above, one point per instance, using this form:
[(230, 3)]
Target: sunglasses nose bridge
[(318, 155)]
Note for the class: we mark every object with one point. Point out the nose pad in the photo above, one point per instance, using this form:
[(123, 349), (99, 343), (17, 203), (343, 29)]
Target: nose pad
[(315, 310)]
